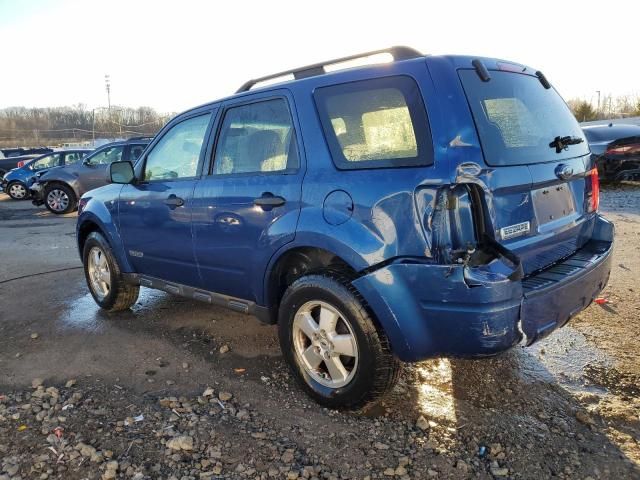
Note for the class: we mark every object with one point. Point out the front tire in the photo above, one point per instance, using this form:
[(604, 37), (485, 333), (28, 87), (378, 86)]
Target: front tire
[(17, 190), (333, 346), (103, 275), (60, 198)]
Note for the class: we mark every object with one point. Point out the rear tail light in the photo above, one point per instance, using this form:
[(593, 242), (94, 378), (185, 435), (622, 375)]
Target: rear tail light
[(623, 149), (593, 191), (81, 204)]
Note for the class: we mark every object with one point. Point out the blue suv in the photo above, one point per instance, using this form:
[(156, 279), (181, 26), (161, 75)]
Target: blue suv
[(429, 206)]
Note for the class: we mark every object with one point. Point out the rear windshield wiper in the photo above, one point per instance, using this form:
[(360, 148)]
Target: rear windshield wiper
[(562, 143)]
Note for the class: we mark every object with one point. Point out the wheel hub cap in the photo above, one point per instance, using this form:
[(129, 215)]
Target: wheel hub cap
[(18, 191), (58, 200), (325, 344)]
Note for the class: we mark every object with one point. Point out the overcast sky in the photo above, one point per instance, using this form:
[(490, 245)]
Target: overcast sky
[(175, 55)]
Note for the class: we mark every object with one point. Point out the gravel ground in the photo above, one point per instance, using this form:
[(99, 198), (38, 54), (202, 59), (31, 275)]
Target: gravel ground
[(179, 390)]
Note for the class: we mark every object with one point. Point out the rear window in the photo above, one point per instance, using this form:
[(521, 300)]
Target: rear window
[(517, 118), (375, 123)]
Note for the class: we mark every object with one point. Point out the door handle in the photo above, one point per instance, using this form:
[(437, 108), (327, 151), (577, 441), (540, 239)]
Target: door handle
[(269, 200), (172, 201)]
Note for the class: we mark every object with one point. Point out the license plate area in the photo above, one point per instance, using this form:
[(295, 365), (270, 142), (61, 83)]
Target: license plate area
[(553, 203)]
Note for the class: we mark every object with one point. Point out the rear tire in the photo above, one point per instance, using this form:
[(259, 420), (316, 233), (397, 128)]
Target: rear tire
[(332, 344), (103, 275), (17, 191), (60, 198)]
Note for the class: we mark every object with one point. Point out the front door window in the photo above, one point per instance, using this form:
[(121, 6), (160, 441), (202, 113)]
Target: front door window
[(177, 153), (46, 162)]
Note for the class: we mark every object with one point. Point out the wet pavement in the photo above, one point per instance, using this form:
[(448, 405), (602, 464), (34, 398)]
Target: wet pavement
[(567, 407)]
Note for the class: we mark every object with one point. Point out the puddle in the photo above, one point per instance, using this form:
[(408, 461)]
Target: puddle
[(566, 357), (83, 313), (194, 325)]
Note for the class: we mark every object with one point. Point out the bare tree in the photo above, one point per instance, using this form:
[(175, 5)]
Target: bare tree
[(53, 126)]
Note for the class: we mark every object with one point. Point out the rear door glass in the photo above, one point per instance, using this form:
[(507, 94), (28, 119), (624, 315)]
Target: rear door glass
[(108, 155), (257, 138), (517, 119), (375, 123), (135, 151), (73, 157)]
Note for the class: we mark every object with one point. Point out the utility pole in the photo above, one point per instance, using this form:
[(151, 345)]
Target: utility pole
[(107, 84), (598, 109)]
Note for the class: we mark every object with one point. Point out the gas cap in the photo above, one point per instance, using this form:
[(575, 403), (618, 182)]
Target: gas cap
[(337, 207)]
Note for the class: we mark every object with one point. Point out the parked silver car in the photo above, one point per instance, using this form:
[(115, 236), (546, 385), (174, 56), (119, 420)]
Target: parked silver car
[(59, 189)]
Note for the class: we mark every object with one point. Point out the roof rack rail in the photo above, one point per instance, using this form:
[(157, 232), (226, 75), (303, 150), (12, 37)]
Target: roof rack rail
[(397, 52)]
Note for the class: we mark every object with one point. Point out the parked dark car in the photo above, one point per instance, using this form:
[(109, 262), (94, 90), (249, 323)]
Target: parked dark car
[(431, 206), (615, 149), (16, 182), (60, 188), (10, 163), (21, 151)]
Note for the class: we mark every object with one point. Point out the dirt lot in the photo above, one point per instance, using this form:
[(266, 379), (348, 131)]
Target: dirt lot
[(154, 393)]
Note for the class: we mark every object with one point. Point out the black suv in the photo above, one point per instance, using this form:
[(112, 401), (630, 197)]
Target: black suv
[(60, 188)]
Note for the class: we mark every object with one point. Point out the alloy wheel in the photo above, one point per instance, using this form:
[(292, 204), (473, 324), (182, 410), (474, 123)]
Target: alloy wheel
[(98, 272), (58, 200), (325, 344)]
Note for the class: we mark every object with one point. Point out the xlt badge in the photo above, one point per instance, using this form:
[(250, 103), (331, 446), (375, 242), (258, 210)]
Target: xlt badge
[(514, 230)]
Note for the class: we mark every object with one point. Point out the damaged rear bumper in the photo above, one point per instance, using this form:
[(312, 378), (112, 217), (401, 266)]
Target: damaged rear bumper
[(432, 310), (616, 169)]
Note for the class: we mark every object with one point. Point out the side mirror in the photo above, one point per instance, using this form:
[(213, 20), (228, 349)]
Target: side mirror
[(86, 161), (121, 172)]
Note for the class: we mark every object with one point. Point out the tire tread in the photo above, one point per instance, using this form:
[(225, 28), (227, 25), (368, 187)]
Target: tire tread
[(387, 366), (124, 294)]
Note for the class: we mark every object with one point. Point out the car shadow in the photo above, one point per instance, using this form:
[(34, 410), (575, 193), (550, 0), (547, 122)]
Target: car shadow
[(510, 416)]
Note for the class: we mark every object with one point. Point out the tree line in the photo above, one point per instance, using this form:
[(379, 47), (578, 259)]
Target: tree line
[(609, 108), (52, 126)]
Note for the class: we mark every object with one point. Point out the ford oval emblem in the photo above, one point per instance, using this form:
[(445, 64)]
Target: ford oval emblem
[(564, 172)]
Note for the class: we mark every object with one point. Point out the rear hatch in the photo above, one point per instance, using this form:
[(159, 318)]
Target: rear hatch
[(539, 173)]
